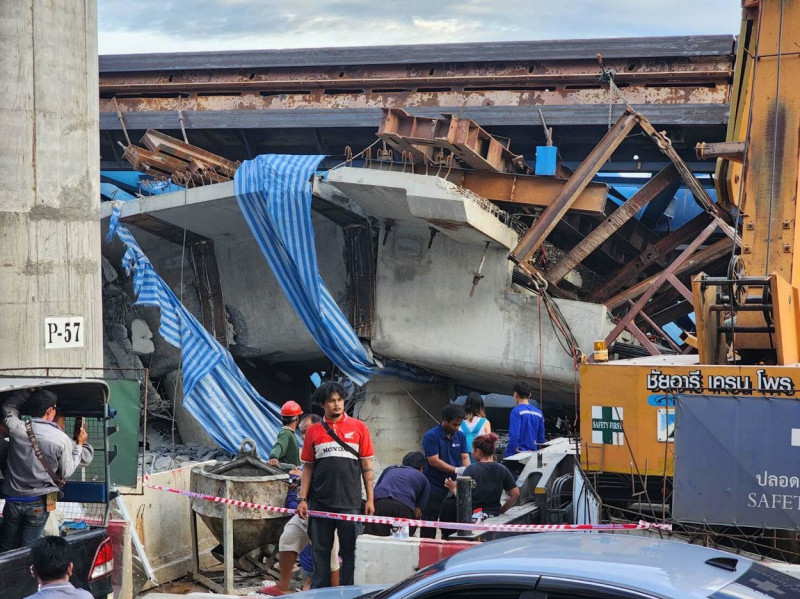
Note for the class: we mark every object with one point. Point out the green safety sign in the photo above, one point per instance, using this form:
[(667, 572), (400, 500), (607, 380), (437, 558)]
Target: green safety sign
[(607, 425)]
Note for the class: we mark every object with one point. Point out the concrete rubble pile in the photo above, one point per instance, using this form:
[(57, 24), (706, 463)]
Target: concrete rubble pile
[(131, 343), (164, 455)]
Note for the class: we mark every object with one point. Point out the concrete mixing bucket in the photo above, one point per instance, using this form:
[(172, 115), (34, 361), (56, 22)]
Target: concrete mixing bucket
[(246, 478)]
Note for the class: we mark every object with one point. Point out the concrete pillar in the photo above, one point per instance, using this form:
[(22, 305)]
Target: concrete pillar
[(49, 178), (395, 420)]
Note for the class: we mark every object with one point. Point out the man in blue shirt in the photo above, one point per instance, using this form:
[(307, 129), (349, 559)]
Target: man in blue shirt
[(526, 423), (445, 449), (401, 492)]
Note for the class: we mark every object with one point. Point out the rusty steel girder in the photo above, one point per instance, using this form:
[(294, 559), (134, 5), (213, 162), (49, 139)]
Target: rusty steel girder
[(654, 254), (697, 71), (694, 263), (697, 79), (160, 142), (556, 73), (444, 98), (537, 234), (509, 189), (668, 275), (464, 138)]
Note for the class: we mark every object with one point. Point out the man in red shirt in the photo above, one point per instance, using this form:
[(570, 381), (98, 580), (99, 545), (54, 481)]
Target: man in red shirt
[(337, 455)]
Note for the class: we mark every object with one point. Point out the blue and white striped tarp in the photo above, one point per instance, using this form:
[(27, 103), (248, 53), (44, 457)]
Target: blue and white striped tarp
[(215, 391), (274, 195)]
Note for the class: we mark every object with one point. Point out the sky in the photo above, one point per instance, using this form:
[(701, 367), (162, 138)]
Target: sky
[(136, 26)]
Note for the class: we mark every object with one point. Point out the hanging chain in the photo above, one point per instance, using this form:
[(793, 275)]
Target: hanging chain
[(608, 76)]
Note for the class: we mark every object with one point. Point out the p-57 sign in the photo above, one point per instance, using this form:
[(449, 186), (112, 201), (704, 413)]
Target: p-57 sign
[(63, 332)]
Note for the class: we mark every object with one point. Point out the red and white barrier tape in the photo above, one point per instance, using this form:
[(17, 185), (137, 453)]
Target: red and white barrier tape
[(641, 525)]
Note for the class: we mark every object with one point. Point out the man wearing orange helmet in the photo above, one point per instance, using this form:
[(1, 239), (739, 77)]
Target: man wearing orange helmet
[(287, 449)]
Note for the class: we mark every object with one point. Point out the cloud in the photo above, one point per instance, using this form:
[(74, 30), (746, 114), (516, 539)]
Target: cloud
[(446, 27), (196, 25)]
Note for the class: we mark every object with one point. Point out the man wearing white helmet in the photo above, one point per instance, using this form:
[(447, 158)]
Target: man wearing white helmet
[(286, 449)]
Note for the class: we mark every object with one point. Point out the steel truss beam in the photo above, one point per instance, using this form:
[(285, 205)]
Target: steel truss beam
[(693, 263), (662, 181), (656, 253), (537, 234), (651, 70), (667, 275)]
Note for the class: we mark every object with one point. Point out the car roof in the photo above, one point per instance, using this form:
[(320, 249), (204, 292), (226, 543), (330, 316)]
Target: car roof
[(651, 565)]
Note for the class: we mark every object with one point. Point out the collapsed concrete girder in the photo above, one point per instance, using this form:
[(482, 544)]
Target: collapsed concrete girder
[(425, 312)]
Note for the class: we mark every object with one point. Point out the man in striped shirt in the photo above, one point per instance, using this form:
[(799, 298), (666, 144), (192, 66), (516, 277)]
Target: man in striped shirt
[(337, 455)]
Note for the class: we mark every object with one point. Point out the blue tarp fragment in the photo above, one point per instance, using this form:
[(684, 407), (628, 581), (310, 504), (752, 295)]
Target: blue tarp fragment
[(274, 195), (215, 391)]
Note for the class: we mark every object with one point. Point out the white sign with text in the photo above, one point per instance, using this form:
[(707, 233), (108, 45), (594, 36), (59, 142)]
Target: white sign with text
[(63, 332)]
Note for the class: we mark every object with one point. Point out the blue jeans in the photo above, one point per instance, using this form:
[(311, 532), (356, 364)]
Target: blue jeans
[(23, 523)]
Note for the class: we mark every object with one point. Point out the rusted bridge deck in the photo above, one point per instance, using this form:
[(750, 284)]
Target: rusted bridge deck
[(240, 104)]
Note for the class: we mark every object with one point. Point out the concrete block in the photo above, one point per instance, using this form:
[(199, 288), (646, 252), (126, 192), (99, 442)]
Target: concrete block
[(121, 353), (141, 337), (117, 331), (385, 560), (162, 521), (426, 316), (109, 272), (423, 201), (264, 322)]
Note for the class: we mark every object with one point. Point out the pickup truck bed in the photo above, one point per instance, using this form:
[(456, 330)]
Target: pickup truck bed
[(16, 581)]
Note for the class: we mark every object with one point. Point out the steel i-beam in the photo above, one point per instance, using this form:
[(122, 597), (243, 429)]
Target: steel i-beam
[(582, 176)]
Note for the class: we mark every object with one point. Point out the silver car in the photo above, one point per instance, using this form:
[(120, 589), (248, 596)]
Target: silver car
[(573, 565)]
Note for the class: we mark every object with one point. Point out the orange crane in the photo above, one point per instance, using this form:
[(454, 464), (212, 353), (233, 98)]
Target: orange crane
[(747, 324)]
